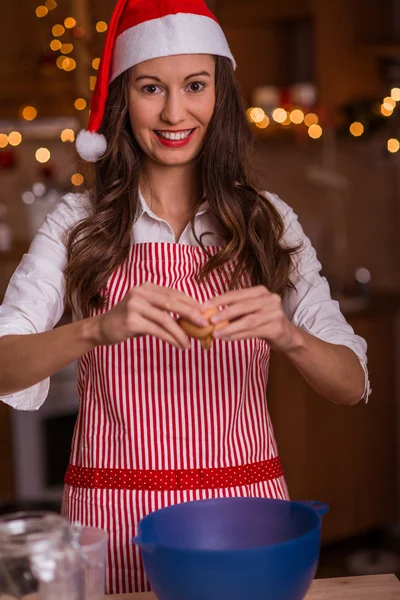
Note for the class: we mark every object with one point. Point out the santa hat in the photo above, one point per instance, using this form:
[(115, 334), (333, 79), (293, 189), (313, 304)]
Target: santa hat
[(140, 30)]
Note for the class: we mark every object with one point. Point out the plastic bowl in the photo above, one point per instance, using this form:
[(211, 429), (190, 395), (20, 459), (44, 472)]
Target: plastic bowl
[(232, 549)]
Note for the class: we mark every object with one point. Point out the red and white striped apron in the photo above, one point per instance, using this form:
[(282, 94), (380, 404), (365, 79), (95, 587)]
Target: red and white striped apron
[(158, 425)]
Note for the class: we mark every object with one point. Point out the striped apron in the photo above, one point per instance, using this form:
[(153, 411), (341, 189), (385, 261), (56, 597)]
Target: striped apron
[(158, 425)]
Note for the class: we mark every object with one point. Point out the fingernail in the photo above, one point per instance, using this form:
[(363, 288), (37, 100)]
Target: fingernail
[(202, 321), (216, 319)]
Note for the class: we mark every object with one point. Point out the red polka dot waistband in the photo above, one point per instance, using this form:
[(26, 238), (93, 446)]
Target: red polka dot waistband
[(174, 479)]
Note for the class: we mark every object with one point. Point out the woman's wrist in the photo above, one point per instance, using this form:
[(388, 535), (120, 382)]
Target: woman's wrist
[(297, 343), (91, 331)]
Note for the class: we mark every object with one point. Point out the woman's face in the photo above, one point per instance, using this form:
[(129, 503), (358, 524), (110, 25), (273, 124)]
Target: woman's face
[(171, 102)]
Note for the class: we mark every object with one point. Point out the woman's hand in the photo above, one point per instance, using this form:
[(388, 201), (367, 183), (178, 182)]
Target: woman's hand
[(255, 313), (145, 310)]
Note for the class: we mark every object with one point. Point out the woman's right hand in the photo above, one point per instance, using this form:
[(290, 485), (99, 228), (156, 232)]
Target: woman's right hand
[(145, 310)]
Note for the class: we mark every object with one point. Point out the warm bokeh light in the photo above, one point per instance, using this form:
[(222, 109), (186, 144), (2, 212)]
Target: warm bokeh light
[(68, 135), (315, 131), (279, 115), (356, 129), (393, 145), (264, 123), (70, 23), (60, 61), (297, 116), (311, 119), (66, 48), (386, 112), (3, 140), (77, 179), (42, 11), (389, 103), (29, 113), (257, 115), (96, 64), (80, 104), (58, 30), (15, 138), (55, 45), (101, 26), (50, 4), (69, 64), (395, 94), (42, 155), (93, 80)]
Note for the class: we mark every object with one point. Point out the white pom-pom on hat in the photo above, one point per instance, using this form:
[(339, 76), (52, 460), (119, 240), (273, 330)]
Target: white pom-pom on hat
[(141, 30), (91, 146)]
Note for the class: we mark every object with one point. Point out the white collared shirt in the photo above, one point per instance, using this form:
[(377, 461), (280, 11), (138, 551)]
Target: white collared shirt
[(35, 297)]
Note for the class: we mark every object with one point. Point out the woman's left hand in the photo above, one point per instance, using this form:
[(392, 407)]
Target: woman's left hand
[(254, 312)]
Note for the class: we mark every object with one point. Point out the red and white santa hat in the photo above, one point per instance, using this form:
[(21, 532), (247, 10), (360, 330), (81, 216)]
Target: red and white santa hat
[(140, 30)]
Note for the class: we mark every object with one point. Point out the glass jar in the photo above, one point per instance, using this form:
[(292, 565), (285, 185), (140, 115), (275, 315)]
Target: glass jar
[(39, 554)]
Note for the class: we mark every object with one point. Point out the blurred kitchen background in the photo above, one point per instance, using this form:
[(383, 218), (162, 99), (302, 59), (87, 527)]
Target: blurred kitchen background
[(321, 82)]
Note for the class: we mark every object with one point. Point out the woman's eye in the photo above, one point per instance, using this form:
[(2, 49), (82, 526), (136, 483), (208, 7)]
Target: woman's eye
[(150, 89), (196, 86)]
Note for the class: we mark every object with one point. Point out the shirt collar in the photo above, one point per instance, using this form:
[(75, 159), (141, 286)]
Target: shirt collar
[(144, 208)]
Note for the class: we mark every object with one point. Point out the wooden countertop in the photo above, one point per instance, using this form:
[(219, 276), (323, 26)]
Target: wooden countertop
[(372, 587)]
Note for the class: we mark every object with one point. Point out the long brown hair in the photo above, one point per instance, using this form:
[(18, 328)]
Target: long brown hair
[(252, 226)]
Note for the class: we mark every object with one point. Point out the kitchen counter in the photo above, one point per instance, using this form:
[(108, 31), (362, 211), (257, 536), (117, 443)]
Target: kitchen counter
[(372, 587)]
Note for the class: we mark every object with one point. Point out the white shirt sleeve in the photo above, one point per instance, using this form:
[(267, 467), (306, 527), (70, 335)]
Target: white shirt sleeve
[(35, 298), (311, 306)]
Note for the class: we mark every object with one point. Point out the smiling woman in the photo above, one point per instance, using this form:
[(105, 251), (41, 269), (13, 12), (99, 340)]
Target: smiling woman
[(173, 225)]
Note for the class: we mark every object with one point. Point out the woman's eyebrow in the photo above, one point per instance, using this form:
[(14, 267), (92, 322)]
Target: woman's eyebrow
[(200, 74)]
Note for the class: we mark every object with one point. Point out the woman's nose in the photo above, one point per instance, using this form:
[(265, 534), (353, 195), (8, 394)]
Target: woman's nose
[(174, 110)]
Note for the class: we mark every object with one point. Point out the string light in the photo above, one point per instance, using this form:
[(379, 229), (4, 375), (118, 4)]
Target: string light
[(257, 115), (42, 11), (55, 45), (66, 48), (315, 131), (101, 26), (58, 30), (311, 119), (393, 145), (395, 94), (3, 140), (15, 138), (51, 4), (42, 155), (264, 123), (68, 135), (60, 61), (96, 64), (70, 23), (386, 112), (77, 179), (29, 113), (297, 116), (69, 64), (80, 104), (279, 115), (389, 103), (356, 129), (93, 80)]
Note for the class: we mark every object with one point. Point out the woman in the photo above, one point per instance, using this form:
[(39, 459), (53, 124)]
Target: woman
[(172, 226)]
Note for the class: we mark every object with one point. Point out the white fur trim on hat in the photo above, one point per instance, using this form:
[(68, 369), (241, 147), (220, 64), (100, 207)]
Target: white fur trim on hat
[(181, 33), (91, 146)]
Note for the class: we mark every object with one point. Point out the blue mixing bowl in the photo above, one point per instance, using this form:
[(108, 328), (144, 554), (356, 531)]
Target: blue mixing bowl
[(232, 549)]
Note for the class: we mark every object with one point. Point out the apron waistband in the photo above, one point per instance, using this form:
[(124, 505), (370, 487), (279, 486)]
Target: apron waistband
[(174, 479)]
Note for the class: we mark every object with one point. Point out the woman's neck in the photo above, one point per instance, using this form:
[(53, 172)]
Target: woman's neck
[(170, 191)]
